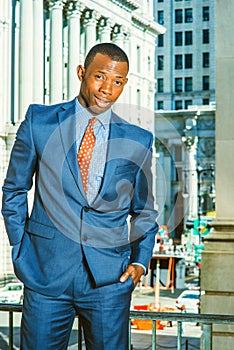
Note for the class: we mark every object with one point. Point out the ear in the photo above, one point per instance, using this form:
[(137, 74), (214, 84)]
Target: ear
[(125, 81), (80, 70)]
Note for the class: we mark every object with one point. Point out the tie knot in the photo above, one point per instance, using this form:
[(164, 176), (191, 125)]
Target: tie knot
[(92, 121)]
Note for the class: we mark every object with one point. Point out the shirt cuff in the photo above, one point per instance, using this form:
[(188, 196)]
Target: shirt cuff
[(135, 263)]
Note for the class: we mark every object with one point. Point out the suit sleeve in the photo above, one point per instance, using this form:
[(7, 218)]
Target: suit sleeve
[(143, 225), (18, 181)]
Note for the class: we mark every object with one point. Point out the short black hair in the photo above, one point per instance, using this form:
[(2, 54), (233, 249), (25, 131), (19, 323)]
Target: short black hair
[(109, 49)]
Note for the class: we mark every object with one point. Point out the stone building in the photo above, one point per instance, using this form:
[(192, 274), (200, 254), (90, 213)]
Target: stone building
[(41, 44)]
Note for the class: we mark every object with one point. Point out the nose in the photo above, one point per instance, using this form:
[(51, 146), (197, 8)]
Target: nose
[(106, 87)]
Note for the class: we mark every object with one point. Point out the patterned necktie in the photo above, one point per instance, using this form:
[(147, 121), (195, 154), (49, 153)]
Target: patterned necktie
[(86, 151)]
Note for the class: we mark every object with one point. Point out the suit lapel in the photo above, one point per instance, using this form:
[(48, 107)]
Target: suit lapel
[(114, 133), (67, 125)]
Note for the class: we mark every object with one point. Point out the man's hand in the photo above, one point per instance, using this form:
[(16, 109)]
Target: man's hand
[(133, 271)]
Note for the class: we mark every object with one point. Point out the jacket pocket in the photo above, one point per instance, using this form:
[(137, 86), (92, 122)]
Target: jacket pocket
[(41, 230), (123, 169)]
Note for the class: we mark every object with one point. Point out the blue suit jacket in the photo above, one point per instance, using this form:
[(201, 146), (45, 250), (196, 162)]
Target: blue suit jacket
[(48, 244)]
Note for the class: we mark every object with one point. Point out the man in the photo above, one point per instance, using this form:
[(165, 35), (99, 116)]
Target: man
[(74, 252)]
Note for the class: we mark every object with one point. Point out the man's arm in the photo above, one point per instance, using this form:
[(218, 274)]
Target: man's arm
[(18, 182), (143, 221)]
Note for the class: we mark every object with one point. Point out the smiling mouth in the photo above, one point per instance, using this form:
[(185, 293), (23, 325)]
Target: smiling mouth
[(102, 103)]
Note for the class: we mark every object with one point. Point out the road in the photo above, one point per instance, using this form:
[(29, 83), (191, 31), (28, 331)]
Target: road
[(140, 339)]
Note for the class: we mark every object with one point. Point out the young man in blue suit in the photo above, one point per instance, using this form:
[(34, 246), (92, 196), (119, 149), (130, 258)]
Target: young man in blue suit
[(77, 252)]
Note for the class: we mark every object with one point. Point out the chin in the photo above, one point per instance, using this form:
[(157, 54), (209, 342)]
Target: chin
[(97, 110)]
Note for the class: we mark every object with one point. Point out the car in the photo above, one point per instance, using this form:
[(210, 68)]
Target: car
[(12, 293), (189, 301)]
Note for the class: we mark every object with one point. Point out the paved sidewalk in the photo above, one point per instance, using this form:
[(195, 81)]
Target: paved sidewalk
[(142, 341), (166, 338)]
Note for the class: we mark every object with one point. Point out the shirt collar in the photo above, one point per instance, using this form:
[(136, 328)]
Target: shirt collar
[(103, 118)]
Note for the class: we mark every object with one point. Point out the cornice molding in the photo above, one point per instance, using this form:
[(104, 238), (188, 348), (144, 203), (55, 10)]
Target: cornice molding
[(145, 24), (128, 5)]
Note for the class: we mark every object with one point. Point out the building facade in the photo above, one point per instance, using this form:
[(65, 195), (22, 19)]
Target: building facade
[(185, 172), (185, 56), (41, 44)]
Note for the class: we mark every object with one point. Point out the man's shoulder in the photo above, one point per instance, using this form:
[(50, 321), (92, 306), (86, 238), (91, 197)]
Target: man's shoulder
[(132, 129), (41, 108)]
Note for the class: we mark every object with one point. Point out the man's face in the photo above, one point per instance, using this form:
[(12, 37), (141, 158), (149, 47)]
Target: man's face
[(101, 83)]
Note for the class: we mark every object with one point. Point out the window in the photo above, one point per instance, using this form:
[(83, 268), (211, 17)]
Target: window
[(187, 103), (188, 84), (160, 17), (160, 0), (206, 36), (205, 82), (178, 84), (160, 62), (206, 59), (138, 95), (160, 85), (178, 153), (160, 40), (138, 92), (188, 61), (138, 59), (188, 37), (205, 13), (177, 0), (178, 105), (178, 16), (188, 15), (178, 38), (178, 62), (149, 64), (205, 101), (160, 105)]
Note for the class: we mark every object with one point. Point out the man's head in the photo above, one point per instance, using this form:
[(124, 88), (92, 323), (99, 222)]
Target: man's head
[(108, 49), (102, 77)]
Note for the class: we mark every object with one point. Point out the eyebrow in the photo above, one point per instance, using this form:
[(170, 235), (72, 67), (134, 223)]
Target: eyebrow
[(102, 72)]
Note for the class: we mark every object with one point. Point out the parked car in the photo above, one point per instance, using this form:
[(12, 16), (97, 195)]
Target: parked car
[(189, 301), (12, 293)]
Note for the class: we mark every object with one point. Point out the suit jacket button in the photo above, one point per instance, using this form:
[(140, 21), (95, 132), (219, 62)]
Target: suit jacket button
[(85, 238), (86, 209)]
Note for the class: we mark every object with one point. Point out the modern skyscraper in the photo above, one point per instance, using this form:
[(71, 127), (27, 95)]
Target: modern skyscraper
[(185, 55)]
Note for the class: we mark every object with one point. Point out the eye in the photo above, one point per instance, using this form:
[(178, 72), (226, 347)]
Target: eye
[(118, 82), (99, 77)]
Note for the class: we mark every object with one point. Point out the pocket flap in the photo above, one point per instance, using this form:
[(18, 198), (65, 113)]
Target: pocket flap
[(41, 230), (128, 168)]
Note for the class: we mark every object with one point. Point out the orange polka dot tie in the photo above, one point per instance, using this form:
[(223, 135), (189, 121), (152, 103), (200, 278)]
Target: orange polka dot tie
[(85, 152)]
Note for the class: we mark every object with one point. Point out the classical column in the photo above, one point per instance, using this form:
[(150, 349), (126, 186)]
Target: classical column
[(191, 175), (218, 258), (2, 121), (118, 39), (73, 47), (56, 51), (118, 36), (25, 56), (105, 30), (160, 191), (90, 22), (38, 51), (5, 66), (126, 44)]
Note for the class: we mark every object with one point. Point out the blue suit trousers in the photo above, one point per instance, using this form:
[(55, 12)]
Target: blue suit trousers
[(104, 313)]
